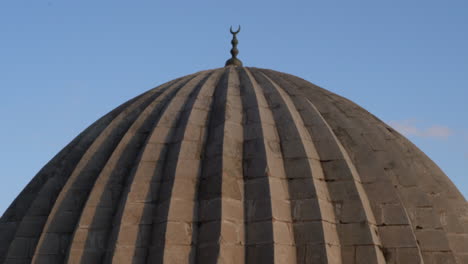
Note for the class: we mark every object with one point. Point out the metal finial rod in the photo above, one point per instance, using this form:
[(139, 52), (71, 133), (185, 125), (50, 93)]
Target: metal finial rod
[(234, 51)]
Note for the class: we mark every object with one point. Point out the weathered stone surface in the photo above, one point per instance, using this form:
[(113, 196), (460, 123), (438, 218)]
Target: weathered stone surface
[(238, 165)]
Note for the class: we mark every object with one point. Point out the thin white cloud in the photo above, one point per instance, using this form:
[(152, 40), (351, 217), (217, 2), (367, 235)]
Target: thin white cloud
[(412, 128), (437, 132)]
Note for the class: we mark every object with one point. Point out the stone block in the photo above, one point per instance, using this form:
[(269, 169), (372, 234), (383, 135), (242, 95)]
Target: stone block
[(414, 197), (294, 149), (273, 150), (355, 234), (258, 210), (424, 218), (300, 189), (254, 149), (432, 240), (283, 233), (181, 210), (207, 254), (311, 254), (330, 234), (178, 233), (259, 189), (154, 152), (232, 210), (336, 170), (259, 233), (278, 188), (142, 191), (29, 227), (255, 168), (308, 233), (298, 168), (78, 256), (328, 149), (181, 189), (306, 210), (232, 114), (394, 214), (461, 258), (404, 177), (253, 131), (281, 210), (376, 140), (90, 239), (397, 236), (390, 255), (453, 223), (369, 254), (409, 255), (234, 131), (232, 168), (231, 233), (438, 258), (137, 213), (209, 232), (190, 133), (351, 211), (189, 150), (234, 148), (348, 255), (146, 170), (134, 235), (209, 188), (25, 246), (210, 210), (230, 254), (343, 190), (198, 117), (275, 168), (50, 244), (285, 254), (128, 254), (263, 253), (381, 192)]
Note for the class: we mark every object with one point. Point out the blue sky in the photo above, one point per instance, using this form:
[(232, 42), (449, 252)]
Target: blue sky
[(63, 64)]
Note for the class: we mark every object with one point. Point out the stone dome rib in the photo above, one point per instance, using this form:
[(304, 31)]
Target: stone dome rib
[(237, 165)]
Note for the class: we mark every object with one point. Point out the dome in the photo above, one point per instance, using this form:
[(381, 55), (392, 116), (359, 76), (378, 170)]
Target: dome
[(238, 165)]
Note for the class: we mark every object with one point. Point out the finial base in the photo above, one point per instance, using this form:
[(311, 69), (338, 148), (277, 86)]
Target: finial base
[(233, 62)]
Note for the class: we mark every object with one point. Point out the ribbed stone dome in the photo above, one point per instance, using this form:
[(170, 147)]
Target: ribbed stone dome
[(238, 165)]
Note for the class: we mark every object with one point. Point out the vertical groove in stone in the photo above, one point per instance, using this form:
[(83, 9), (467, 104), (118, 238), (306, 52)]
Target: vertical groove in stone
[(392, 223), (315, 234), (90, 236), (259, 243), (219, 233), (132, 224), (269, 224), (60, 166), (34, 224), (175, 215), (231, 238)]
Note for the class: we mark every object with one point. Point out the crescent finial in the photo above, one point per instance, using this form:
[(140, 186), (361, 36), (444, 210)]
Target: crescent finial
[(238, 30), (234, 61)]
